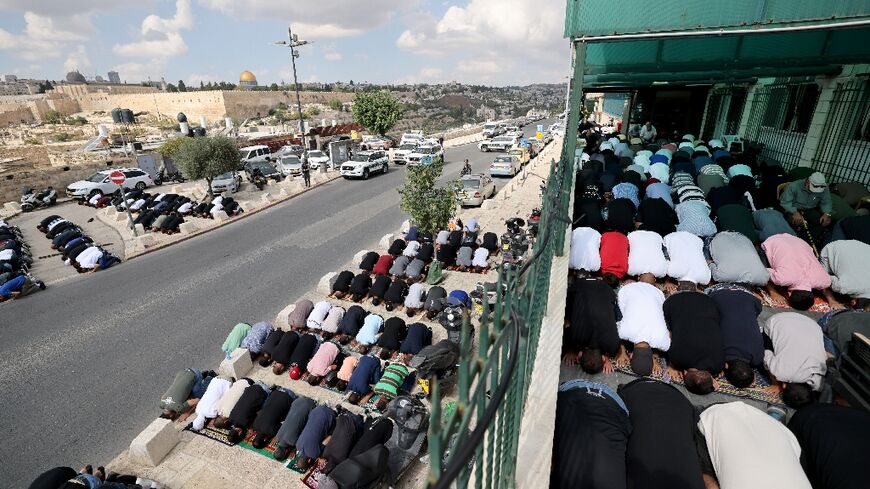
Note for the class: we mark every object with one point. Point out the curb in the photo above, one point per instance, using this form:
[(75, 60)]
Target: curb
[(228, 221)]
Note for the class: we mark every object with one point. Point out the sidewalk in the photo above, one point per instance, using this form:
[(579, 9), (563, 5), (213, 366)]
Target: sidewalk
[(195, 462)]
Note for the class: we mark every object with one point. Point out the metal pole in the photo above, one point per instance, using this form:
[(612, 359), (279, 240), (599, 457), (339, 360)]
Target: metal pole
[(127, 206), (296, 84)]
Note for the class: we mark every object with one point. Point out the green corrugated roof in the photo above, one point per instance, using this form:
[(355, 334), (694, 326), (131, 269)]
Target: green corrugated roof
[(603, 17), (715, 57)]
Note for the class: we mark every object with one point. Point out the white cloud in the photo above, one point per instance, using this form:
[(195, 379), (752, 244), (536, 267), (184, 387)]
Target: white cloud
[(194, 79), (490, 36), (331, 54), (44, 36), (425, 75), (341, 18), (161, 38), (138, 72), (78, 60)]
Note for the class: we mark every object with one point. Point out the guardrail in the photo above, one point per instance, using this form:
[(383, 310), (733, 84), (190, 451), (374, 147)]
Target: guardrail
[(476, 443)]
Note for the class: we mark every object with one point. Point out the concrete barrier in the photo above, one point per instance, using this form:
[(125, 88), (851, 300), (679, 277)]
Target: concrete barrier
[(220, 216), (12, 206), (488, 204), (140, 229), (283, 320), (406, 225), (323, 286), (188, 227), (238, 365), (120, 217), (359, 256), (154, 442), (267, 197), (386, 241), (247, 206)]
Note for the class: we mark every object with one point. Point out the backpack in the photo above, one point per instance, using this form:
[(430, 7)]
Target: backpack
[(435, 274)]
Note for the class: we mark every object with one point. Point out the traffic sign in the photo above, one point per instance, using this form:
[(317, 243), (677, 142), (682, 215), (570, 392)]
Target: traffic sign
[(539, 135), (117, 177)]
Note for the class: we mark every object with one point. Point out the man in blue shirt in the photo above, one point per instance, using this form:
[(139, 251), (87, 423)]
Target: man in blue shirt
[(366, 374), (19, 287)]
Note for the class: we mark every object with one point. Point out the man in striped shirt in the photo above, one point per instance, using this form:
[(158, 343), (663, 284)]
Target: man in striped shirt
[(391, 381)]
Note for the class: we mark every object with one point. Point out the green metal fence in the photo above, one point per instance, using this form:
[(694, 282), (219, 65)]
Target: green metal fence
[(478, 440), (843, 153), (779, 119)]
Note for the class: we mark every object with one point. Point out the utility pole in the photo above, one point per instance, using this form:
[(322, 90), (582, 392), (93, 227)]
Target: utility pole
[(294, 43)]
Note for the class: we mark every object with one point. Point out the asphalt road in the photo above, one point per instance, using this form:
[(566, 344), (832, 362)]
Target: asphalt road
[(85, 362)]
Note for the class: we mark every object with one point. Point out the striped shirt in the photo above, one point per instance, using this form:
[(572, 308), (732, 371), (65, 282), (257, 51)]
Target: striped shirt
[(392, 379)]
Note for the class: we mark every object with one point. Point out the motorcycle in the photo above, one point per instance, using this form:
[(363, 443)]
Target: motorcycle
[(31, 201), (410, 427), (259, 181), (162, 177), (436, 361), (514, 243), (534, 221), (466, 170)]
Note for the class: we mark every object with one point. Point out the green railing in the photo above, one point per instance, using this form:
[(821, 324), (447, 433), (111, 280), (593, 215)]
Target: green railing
[(478, 439)]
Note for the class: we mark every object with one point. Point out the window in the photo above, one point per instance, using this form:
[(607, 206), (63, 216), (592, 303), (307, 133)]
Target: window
[(800, 105), (134, 173), (862, 128)]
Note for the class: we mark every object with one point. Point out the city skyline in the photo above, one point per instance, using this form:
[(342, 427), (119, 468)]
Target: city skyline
[(384, 41)]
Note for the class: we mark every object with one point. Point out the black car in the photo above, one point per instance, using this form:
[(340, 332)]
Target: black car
[(267, 169)]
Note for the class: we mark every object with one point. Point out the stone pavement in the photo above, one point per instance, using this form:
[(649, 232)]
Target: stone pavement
[(197, 462)]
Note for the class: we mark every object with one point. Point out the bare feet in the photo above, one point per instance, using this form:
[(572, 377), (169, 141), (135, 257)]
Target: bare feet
[(675, 374), (571, 359), (608, 365), (622, 359), (773, 390), (656, 368)]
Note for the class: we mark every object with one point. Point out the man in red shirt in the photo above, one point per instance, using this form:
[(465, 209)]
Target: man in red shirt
[(614, 257)]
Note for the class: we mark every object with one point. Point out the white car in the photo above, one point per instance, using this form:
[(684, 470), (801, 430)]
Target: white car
[(364, 163), (505, 166), (411, 137), (99, 182), (226, 182), (500, 143), (400, 154), (424, 152), (317, 158), (288, 165), (254, 154), (475, 189), (490, 130)]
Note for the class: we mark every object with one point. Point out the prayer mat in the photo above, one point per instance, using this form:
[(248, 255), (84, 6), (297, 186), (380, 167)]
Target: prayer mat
[(819, 304), (209, 431), (269, 451), (754, 392), (312, 477)]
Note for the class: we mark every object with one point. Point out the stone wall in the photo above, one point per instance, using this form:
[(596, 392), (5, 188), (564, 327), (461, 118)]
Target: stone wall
[(57, 177), (243, 105), (16, 115), (166, 105)]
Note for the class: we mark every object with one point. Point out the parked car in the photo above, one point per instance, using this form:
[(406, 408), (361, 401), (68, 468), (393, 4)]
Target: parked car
[(400, 154), (316, 158), (490, 130), (505, 166), (251, 154), (429, 153), (521, 153), (500, 143), (364, 163), (475, 189), (376, 142), (226, 182), (289, 165), (290, 149), (266, 169), (99, 182), (411, 137)]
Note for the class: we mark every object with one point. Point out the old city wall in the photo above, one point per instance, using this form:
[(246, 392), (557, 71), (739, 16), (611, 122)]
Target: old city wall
[(166, 105), (243, 105), (10, 114)]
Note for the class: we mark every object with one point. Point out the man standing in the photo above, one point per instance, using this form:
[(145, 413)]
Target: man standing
[(306, 170), (808, 201)]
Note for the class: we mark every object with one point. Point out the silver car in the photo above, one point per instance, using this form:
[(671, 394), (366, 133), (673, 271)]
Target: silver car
[(226, 182), (505, 166), (475, 189)]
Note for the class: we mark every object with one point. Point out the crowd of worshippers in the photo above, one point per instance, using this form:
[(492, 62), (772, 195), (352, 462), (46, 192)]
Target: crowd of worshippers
[(647, 434), (163, 212), (264, 414), (76, 248), (15, 262), (631, 240), (89, 478)]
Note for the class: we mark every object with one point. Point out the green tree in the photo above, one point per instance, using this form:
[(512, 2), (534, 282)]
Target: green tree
[(52, 117), (378, 111), (171, 88), (429, 206), (206, 157), (311, 112), (170, 147), (274, 87), (181, 86), (336, 104)]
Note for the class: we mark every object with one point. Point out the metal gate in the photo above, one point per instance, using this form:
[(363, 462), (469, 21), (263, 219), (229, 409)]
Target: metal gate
[(779, 119), (844, 148), (724, 108)]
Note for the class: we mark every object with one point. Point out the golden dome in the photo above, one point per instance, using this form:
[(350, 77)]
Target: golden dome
[(247, 76)]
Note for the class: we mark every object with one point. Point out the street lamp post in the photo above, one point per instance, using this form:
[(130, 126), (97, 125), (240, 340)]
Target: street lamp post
[(294, 43)]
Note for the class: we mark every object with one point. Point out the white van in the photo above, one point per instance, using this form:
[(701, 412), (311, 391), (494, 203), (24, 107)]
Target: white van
[(255, 154), (490, 130)]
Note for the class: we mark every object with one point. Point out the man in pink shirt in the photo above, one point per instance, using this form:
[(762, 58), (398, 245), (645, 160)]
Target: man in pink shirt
[(794, 266)]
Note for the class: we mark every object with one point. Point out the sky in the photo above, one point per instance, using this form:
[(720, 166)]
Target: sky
[(491, 42)]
